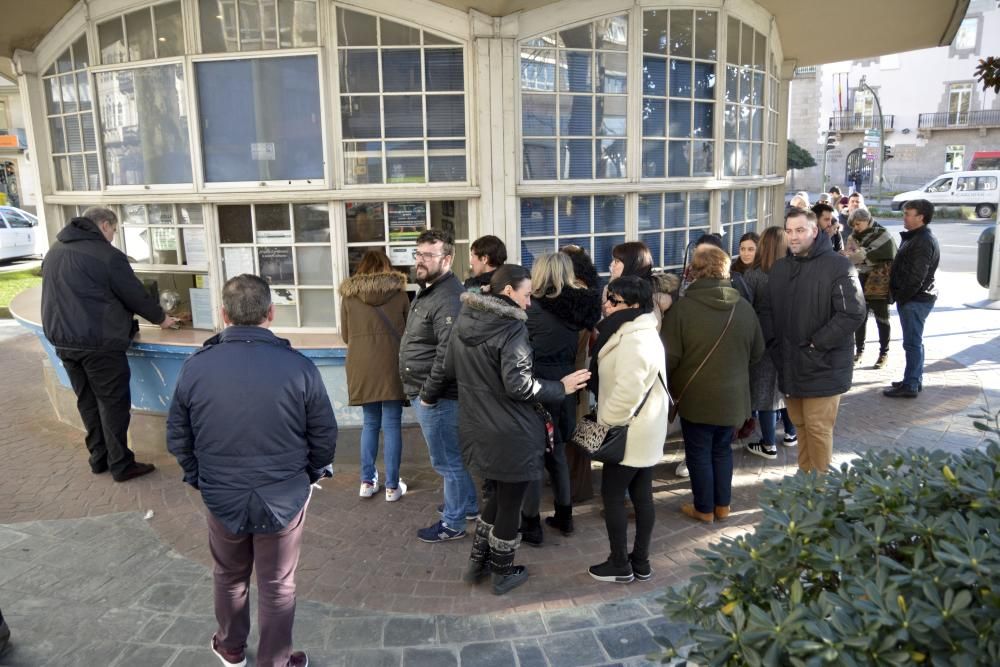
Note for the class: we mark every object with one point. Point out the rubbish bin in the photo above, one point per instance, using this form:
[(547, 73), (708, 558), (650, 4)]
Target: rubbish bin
[(985, 255)]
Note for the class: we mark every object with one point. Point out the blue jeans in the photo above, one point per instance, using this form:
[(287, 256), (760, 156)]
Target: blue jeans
[(786, 422), (767, 420), (709, 455), (912, 316), (382, 416), (439, 423)]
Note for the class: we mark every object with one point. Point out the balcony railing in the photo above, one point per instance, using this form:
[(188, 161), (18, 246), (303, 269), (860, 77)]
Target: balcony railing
[(959, 119), (856, 122)]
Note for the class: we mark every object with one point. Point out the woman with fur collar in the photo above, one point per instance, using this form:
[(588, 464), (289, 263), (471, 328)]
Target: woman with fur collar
[(502, 434), (373, 311), (560, 309), (628, 372)]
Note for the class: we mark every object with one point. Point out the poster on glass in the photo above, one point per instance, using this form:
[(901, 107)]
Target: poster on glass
[(276, 265), (406, 220)]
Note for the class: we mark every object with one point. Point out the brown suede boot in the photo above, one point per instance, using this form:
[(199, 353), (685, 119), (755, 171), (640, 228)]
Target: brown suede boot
[(721, 512), (689, 510)]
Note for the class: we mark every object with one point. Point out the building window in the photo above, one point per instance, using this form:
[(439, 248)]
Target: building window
[(954, 158), (774, 94), (68, 107), (164, 234), (402, 102), (144, 126), (864, 109), (678, 89), (257, 25), (670, 222), (745, 68), (959, 101), (595, 223), (151, 32), (288, 245), (393, 227), (260, 119), (574, 87), (739, 216), (968, 33)]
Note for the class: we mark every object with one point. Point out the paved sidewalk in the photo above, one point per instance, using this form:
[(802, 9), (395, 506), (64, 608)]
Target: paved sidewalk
[(84, 579)]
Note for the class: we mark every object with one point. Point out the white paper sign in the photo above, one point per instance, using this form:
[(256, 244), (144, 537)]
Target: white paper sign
[(194, 247), (201, 308), (262, 151), (237, 261), (402, 255)]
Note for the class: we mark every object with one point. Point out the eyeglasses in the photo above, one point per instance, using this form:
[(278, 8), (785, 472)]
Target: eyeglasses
[(427, 255), (614, 300)]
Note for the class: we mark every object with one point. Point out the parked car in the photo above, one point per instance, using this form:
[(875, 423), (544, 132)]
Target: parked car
[(977, 189), (17, 233)]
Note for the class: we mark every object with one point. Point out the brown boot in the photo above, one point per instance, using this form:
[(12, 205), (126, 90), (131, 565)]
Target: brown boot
[(721, 512), (689, 510)]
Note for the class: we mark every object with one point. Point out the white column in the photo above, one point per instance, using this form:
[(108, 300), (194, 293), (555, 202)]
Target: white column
[(33, 102)]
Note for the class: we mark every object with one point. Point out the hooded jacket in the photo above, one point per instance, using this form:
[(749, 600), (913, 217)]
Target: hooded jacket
[(490, 358), (373, 343), (719, 393), (814, 305), (425, 341), (912, 275), (554, 325), (251, 426), (90, 292)]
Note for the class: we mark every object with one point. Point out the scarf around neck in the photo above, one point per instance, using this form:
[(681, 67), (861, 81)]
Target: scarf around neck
[(606, 328)]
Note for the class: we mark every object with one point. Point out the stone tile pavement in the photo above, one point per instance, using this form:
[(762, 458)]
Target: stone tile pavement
[(85, 579)]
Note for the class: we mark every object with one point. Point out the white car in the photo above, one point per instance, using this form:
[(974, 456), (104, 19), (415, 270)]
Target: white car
[(17, 233), (976, 189)]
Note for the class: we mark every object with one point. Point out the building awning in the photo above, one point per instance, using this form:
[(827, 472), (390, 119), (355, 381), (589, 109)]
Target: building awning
[(813, 32)]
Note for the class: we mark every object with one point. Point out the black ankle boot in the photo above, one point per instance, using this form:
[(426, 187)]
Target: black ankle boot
[(479, 558), (506, 575), (563, 519), (531, 530)]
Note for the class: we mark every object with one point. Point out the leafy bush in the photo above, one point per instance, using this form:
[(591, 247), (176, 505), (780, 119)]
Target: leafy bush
[(890, 560)]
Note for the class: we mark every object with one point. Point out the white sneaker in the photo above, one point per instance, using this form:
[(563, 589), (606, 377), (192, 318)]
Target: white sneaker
[(392, 495), (682, 469), (369, 489)]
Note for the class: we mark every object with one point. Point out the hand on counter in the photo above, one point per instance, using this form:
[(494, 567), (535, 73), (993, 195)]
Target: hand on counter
[(170, 323)]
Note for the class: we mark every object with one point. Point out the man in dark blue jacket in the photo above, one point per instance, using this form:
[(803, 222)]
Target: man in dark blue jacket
[(89, 295), (252, 427)]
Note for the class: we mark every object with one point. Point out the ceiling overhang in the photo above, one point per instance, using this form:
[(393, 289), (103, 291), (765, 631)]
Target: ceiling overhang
[(870, 29)]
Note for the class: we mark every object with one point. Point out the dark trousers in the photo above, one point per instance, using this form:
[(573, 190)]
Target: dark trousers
[(709, 455), (880, 308), (503, 508), (275, 555), (616, 479), (100, 382)]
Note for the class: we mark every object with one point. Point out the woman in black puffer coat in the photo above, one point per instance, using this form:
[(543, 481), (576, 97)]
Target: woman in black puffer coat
[(559, 311), (503, 436)]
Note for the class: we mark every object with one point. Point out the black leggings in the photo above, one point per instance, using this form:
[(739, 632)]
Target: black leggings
[(615, 479), (880, 308), (503, 508)]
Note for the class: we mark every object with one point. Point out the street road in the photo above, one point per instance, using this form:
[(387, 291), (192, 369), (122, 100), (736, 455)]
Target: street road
[(957, 239)]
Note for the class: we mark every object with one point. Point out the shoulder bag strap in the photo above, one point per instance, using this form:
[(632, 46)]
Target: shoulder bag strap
[(659, 377), (388, 325), (707, 357)]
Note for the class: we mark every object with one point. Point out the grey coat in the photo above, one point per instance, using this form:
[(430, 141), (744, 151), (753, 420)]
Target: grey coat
[(764, 392)]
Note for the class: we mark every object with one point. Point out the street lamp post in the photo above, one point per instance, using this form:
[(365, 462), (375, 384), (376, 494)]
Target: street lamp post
[(881, 133)]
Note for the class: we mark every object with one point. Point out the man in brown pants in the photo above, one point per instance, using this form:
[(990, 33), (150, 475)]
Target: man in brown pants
[(252, 427)]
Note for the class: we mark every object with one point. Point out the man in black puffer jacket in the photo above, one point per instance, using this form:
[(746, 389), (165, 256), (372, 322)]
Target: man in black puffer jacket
[(89, 295), (814, 305), (911, 287)]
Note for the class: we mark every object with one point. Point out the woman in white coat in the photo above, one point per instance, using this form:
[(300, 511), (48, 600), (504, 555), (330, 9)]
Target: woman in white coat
[(629, 363)]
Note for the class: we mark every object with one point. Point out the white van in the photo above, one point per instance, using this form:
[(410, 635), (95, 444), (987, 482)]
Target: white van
[(17, 233), (977, 189)]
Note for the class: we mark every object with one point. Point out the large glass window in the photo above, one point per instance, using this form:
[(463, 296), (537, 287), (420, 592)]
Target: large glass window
[(774, 94), (393, 227), (163, 234), (151, 32), (959, 101), (744, 119), (288, 245), (739, 216), (574, 94), (144, 126), (260, 119), (255, 25), (670, 222), (402, 102), (595, 223), (678, 92), (70, 117)]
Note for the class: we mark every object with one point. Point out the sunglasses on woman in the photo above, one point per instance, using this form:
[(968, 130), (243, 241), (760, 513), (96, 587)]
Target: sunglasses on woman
[(614, 300)]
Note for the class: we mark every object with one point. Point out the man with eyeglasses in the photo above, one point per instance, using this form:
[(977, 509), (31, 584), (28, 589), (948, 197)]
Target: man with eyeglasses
[(435, 397)]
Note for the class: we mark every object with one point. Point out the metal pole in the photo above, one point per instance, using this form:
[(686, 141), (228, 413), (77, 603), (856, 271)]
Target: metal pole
[(881, 135), (826, 149)]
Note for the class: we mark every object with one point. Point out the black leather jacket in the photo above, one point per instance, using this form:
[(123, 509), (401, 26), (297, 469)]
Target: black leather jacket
[(425, 340), (913, 269), (502, 436)]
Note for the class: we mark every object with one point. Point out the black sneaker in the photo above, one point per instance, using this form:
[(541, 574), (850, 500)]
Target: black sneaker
[(902, 391), (641, 569), (762, 450), (790, 440), (609, 572), (470, 516), (896, 385)]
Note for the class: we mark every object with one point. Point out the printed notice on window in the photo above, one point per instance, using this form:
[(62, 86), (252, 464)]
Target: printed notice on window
[(263, 150), (276, 265), (237, 261), (194, 247), (201, 308)]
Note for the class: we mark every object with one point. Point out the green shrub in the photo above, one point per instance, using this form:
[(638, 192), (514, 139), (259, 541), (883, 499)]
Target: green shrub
[(890, 560)]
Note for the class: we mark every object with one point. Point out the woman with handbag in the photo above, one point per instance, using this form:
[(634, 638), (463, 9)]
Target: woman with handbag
[(871, 249), (712, 337), (373, 310), (502, 432), (628, 376)]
